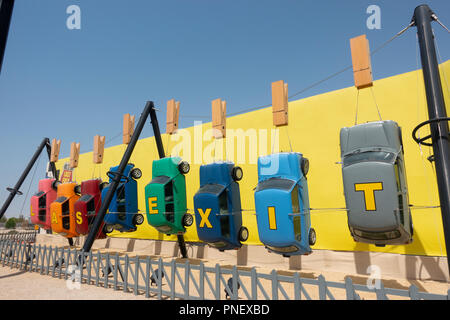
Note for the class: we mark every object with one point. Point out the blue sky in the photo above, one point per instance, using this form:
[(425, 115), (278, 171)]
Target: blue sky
[(74, 84)]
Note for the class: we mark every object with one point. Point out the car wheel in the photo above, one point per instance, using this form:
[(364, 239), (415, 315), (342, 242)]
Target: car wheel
[(138, 219), (108, 228), (304, 165), (77, 189), (312, 237), (237, 173), (243, 234), (103, 185), (55, 184), (184, 167), (136, 173), (188, 220)]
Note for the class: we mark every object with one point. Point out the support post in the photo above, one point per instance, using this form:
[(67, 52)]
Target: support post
[(436, 109), (6, 10), (115, 182)]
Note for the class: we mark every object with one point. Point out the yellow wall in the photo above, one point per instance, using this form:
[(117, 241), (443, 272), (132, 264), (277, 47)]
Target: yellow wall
[(314, 125)]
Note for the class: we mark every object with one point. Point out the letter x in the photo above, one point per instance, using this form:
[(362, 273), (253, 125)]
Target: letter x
[(204, 215)]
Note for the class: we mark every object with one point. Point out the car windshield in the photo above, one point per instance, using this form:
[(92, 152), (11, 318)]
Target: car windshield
[(275, 183), (378, 156)]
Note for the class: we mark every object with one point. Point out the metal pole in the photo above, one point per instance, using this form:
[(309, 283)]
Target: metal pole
[(15, 190), (113, 186), (436, 109), (6, 9), (161, 153)]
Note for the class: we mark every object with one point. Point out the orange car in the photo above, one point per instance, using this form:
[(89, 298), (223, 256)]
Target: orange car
[(62, 210)]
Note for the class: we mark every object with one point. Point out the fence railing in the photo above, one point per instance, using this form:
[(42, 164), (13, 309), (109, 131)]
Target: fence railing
[(173, 279), (27, 236)]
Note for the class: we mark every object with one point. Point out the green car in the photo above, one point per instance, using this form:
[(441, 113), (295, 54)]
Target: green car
[(165, 196)]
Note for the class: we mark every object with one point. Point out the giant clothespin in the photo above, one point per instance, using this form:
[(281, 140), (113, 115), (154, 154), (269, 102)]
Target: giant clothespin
[(54, 153), (280, 103), (99, 147), (128, 128), (173, 112), (74, 154), (219, 119), (362, 68)]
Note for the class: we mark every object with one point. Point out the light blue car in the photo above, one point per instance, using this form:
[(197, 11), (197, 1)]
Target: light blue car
[(282, 204)]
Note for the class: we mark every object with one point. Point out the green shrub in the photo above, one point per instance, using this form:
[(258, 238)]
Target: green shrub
[(11, 223)]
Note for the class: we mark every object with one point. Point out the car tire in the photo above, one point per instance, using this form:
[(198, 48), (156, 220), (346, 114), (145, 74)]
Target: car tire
[(103, 185), (55, 184), (243, 234), (188, 220), (136, 173), (184, 167), (138, 219), (77, 189), (312, 237), (108, 228), (304, 165), (237, 174)]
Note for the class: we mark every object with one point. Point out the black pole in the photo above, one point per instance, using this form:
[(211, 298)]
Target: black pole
[(6, 9), (113, 186), (13, 191), (161, 153), (157, 133), (436, 109)]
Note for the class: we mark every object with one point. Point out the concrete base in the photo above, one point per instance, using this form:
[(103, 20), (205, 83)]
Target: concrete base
[(353, 263)]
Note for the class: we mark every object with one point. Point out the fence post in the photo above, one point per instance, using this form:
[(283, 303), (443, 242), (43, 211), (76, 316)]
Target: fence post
[(274, 285), (322, 287), (159, 282), (136, 276), (235, 289), (187, 271), (414, 292), (202, 281), (297, 287), (106, 271), (125, 274), (254, 277), (116, 268), (217, 271), (350, 289), (173, 267), (381, 295)]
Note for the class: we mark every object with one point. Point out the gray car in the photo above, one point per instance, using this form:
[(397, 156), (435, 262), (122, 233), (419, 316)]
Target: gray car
[(375, 186)]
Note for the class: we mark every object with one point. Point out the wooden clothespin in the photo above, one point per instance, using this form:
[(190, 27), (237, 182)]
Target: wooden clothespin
[(173, 112), (74, 154), (128, 128), (362, 68), (54, 153), (280, 103), (99, 146), (219, 119)]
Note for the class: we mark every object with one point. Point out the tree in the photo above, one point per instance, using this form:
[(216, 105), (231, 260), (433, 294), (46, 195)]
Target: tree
[(11, 223)]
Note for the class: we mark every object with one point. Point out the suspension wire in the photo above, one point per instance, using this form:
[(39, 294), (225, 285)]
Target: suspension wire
[(289, 138), (434, 16), (31, 182), (376, 105), (440, 61), (357, 103)]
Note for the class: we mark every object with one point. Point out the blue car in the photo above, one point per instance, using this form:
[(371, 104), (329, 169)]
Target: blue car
[(218, 206), (282, 204), (123, 213)]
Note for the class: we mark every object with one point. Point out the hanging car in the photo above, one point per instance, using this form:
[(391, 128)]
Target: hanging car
[(217, 206), (282, 204), (123, 210), (62, 210), (40, 203), (166, 196), (375, 187), (86, 208)]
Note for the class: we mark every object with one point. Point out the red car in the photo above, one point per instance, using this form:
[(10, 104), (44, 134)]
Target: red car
[(40, 203), (86, 208)]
